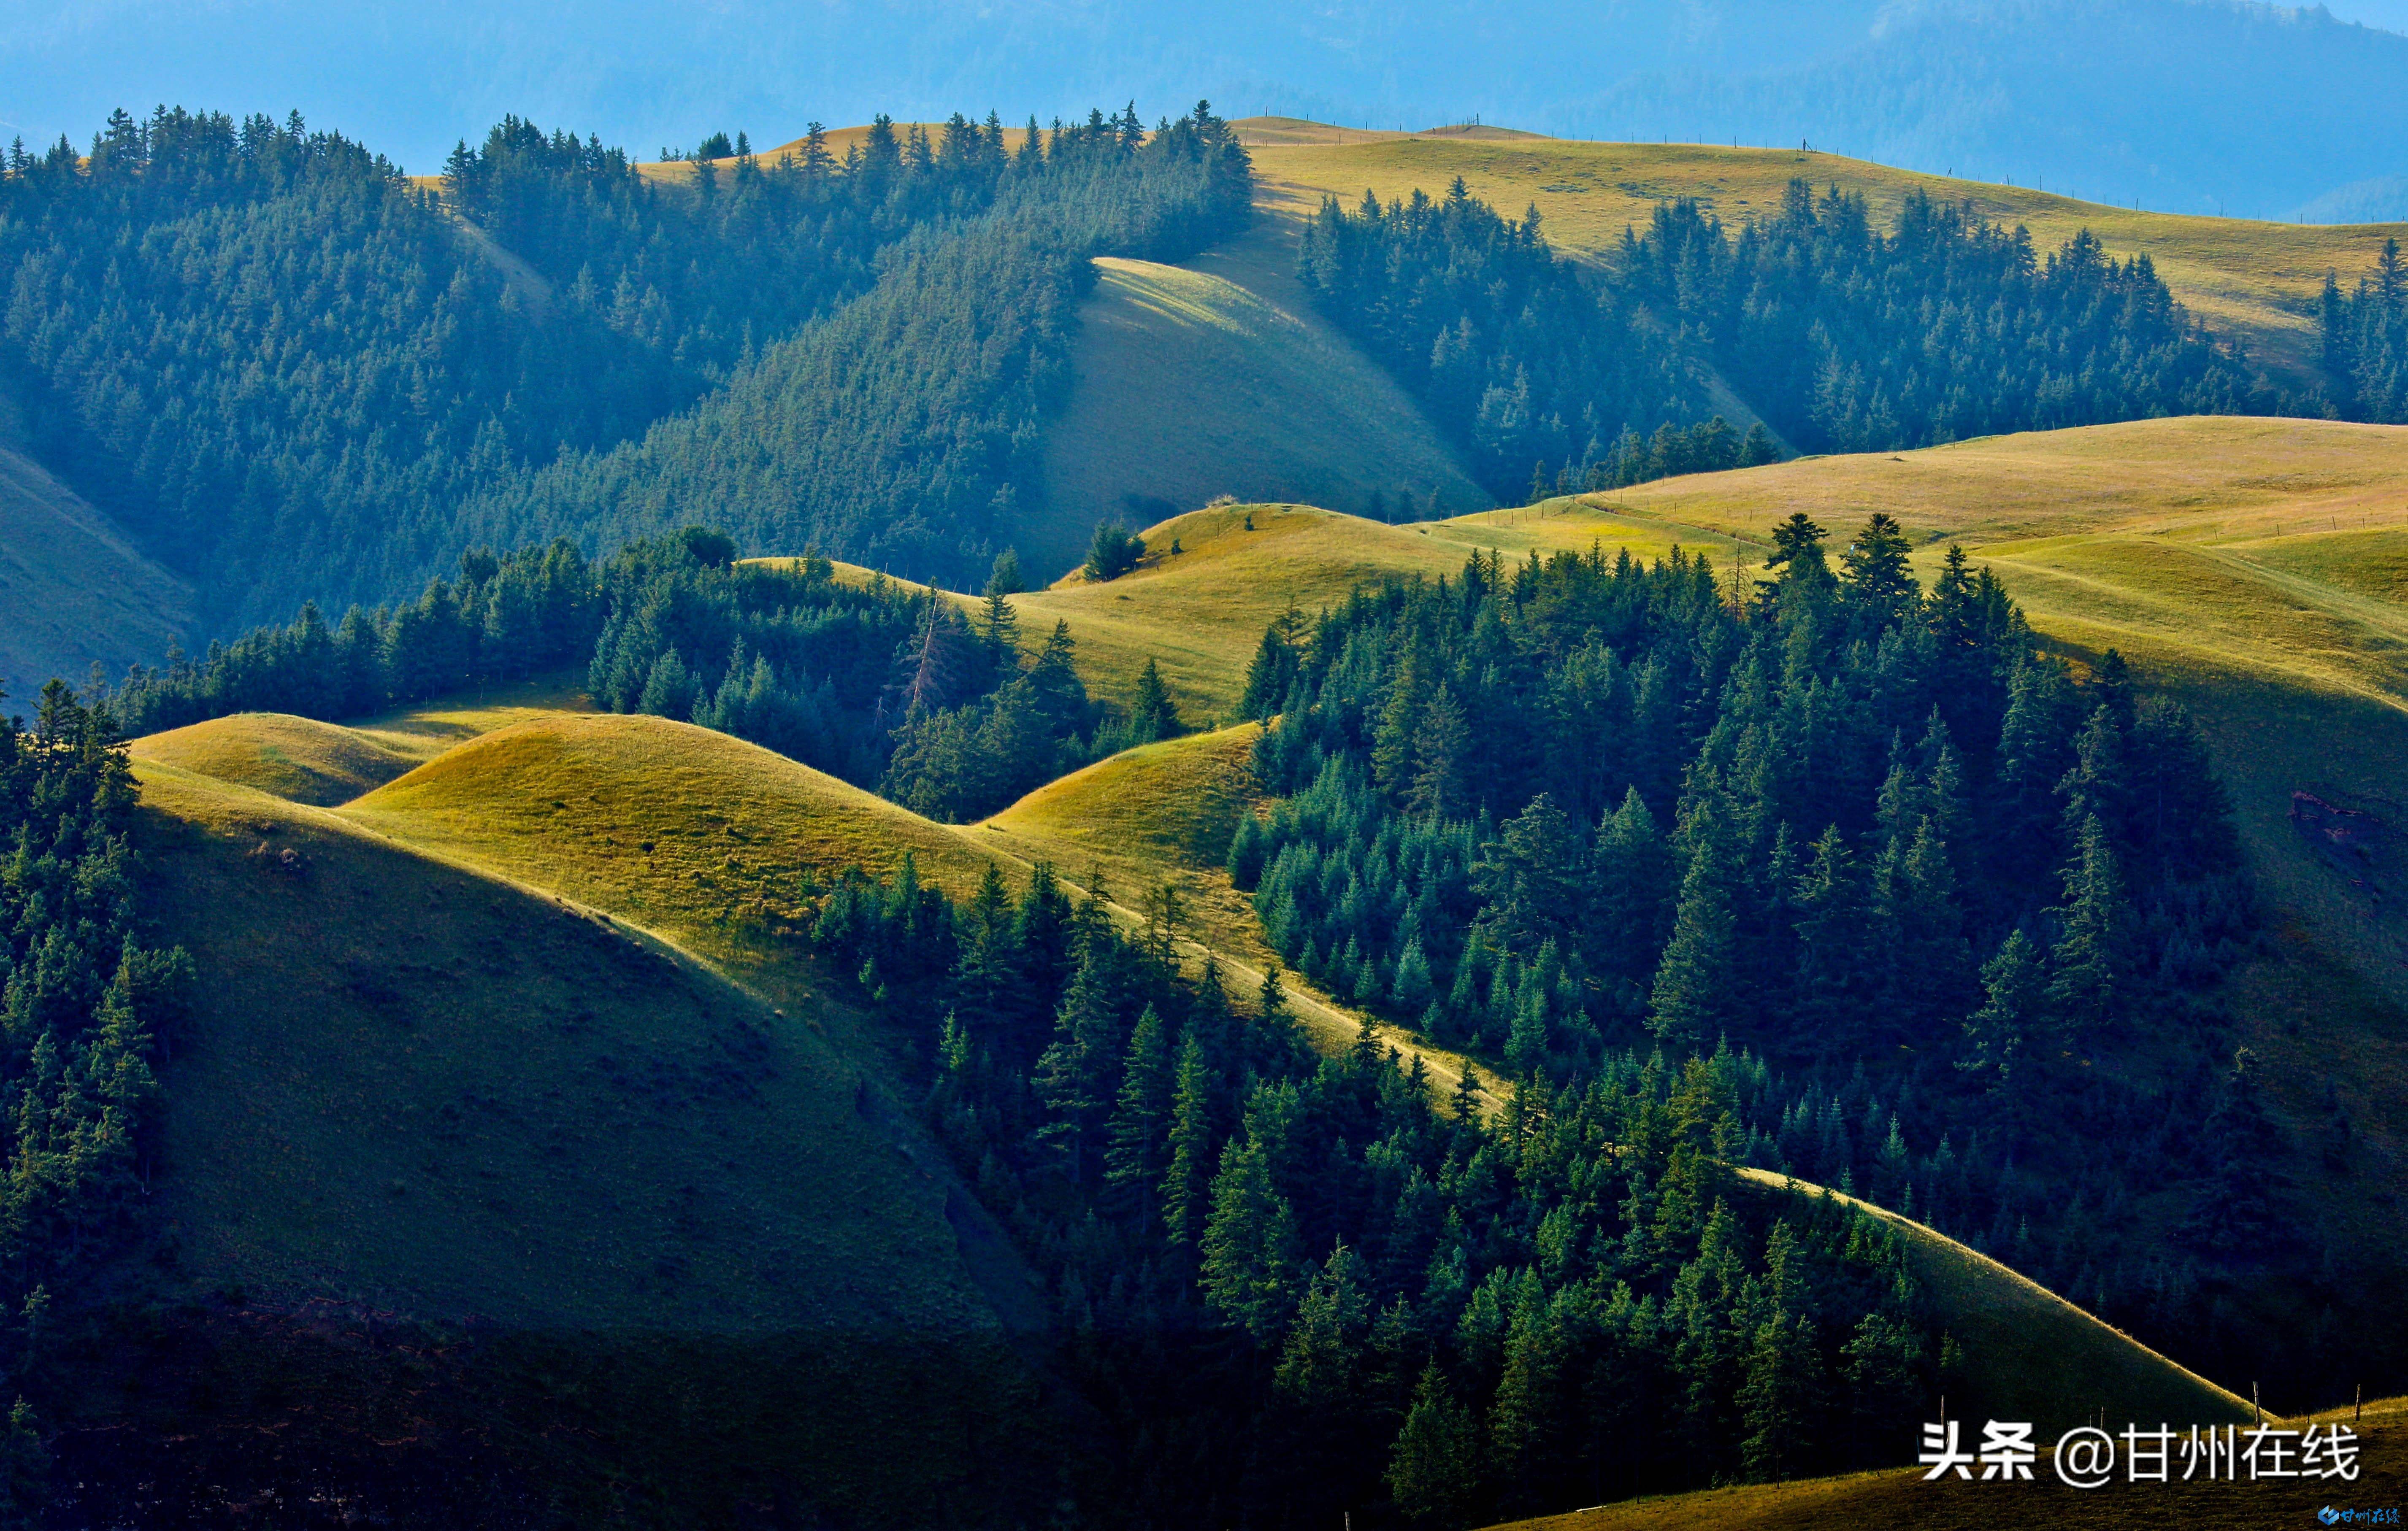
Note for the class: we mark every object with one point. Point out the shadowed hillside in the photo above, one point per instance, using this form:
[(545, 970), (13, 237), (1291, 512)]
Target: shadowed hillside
[(74, 591), (1218, 376), (410, 1087)]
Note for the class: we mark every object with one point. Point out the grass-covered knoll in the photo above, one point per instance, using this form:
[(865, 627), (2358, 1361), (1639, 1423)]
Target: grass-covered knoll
[(74, 591), (323, 764), (298, 759), (467, 1185), (2255, 281), (1217, 377), (2028, 1353), (1901, 1500), (419, 1087), (675, 827)]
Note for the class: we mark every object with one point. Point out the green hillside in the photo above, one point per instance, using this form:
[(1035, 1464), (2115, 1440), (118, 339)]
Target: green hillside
[(298, 759), (558, 802), (2030, 1355), (1216, 377), (515, 1049), (407, 1086), (2256, 280)]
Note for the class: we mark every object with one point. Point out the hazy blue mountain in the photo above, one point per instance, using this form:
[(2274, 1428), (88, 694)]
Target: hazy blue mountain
[(2187, 105)]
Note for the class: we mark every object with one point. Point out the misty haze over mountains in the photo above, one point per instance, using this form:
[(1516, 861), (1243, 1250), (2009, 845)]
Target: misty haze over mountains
[(2192, 106)]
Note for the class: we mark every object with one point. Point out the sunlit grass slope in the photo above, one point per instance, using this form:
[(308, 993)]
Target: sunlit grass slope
[(1219, 377), (703, 840), (299, 759), (73, 591), (676, 827), (2030, 1355), (422, 730), (2254, 279), (1900, 1500), (451, 1095)]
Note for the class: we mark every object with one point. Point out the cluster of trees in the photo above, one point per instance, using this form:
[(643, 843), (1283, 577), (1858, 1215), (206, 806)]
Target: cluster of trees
[(903, 432), (1550, 810), (2366, 340), (239, 336), (874, 683), (85, 1007), (1514, 352), (1294, 1287), (521, 614), (1842, 337)]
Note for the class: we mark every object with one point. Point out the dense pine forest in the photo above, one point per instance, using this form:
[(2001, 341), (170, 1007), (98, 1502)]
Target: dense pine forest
[(1843, 339), (239, 336), (1293, 1287), (1556, 812)]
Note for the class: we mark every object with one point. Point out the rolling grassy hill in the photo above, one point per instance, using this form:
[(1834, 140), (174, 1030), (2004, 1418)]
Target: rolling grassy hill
[(1199, 613), (414, 1095), (702, 839), (297, 759), (2253, 280)]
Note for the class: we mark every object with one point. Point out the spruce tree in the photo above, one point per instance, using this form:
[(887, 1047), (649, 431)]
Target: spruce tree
[(1152, 715), (1142, 1117), (1186, 1183), (2087, 964), (1317, 1368), (1247, 1258), (1999, 1034), (1433, 1467)]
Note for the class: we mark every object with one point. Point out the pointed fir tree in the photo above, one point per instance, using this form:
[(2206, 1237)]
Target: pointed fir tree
[(1186, 1181), (1142, 1117)]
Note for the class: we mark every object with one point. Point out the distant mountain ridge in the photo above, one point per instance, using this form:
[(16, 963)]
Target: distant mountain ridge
[(2192, 106)]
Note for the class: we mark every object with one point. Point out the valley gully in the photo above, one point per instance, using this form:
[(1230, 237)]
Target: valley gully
[(2085, 1457)]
